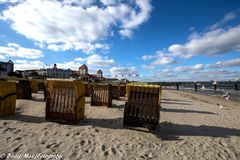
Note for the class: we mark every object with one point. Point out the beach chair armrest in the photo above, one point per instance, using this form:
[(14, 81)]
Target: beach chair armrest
[(79, 98)]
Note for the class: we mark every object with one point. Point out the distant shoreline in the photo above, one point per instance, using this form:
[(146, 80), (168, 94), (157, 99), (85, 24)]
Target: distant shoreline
[(234, 95)]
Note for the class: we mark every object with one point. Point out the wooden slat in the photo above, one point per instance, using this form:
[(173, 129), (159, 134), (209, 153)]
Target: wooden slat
[(101, 95), (62, 104), (142, 106)]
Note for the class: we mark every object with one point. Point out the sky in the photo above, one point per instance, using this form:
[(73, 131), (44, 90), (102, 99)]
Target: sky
[(144, 40)]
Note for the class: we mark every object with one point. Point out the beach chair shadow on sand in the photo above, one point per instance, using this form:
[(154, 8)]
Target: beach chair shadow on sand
[(171, 131)]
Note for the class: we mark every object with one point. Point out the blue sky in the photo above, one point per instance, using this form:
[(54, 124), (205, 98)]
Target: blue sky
[(158, 40)]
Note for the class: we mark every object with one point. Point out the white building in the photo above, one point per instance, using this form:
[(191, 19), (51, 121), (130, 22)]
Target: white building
[(6, 67), (99, 73), (42, 72), (58, 73), (83, 70)]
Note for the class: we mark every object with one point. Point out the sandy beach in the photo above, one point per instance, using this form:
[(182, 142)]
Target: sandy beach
[(191, 126)]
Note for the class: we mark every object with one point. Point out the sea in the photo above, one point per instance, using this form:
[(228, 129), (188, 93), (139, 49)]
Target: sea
[(222, 90)]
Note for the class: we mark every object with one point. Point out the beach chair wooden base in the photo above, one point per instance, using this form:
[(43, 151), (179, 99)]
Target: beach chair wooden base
[(138, 124), (100, 104), (61, 118), (135, 118), (24, 89)]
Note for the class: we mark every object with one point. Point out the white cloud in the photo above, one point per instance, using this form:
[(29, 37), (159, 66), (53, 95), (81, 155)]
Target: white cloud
[(85, 47), (159, 58), (80, 59), (123, 71), (10, 1), (196, 67), (163, 61), (82, 3), (227, 63), (200, 75), (74, 24), (214, 75), (109, 2), (40, 45), (97, 60), (27, 64), (13, 45), (71, 64), (214, 42), (126, 33), (2, 57), (147, 67), (158, 54), (137, 18), (228, 17), (15, 50)]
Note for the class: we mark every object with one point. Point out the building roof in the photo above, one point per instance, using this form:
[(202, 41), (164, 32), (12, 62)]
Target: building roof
[(83, 67), (10, 61), (99, 71)]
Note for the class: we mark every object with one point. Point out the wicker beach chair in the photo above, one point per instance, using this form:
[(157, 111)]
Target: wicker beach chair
[(142, 108), (24, 90), (116, 91), (102, 95), (7, 98), (65, 101), (123, 90)]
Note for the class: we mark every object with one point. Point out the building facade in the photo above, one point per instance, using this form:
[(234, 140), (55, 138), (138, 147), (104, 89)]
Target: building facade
[(83, 70), (48, 73), (6, 67), (99, 73), (58, 73), (83, 73)]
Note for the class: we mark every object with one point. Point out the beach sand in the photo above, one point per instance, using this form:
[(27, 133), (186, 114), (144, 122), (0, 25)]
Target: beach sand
[(191, 126)]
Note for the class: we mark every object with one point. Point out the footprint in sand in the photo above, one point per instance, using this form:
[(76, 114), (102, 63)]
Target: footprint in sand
[(9, 129), (17, 148), (77, 134), (82, 142), (17, 131), (43, 142), (106, 153), (103, 148), (18, 138), (50, 145), (114, 151), (8, 138), (67, 135)]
